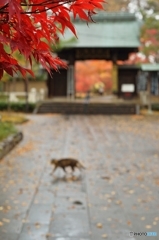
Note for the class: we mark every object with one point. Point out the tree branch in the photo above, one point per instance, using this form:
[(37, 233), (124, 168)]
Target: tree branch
[(45, 4)]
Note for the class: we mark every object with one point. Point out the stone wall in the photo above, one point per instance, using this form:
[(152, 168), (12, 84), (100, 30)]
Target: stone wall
[(9, 143)]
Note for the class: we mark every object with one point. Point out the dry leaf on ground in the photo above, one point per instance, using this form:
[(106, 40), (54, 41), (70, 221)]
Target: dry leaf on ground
[(99, 225)]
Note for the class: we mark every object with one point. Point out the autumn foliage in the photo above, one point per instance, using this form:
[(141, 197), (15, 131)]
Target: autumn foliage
[(91, 73), (150, 38), (30, 27)]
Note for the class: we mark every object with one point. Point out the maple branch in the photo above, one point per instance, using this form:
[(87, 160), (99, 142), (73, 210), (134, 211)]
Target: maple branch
[(5, 6), (44, 3), (44, 10), (26, 27)]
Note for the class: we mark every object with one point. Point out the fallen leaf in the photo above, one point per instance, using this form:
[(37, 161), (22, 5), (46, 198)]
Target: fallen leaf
[(48, 235), (24, 204), (20, 191), (107, 195), (6, 220), (28, 147), (119, 202), (37, 225), (148, 226), (11, 182), (157, 181), (99, 225), (113, 193), (131, 191), (104, 236), (106, 178), (140, 178), (77, 202), (24, 220), (128, 223)]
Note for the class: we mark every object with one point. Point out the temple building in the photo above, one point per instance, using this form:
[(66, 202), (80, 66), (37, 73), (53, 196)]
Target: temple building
[(111, 37)]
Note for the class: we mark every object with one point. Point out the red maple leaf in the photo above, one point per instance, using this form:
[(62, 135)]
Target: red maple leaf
[(30, 27)]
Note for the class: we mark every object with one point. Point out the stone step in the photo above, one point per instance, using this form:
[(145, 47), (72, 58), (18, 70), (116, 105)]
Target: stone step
[(82, 108)]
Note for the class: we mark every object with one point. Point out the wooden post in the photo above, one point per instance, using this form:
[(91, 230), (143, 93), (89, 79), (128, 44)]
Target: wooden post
[(149, 94)]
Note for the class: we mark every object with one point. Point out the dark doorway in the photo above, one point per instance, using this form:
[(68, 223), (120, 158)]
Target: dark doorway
[(127, 74), (57, 84)]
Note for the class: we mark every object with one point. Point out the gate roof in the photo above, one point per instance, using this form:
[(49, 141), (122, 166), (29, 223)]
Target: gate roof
[(110, 30)]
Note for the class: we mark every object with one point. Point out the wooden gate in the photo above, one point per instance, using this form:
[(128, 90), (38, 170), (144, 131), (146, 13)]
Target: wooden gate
[(127, 75), (57, 84)]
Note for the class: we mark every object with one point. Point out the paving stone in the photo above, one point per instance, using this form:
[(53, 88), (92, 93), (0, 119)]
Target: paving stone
[(108, 223), (8, 235), (40, 213), (44, 197), (35, 231), (145, 222), (70, 225), (70, 203), (67, 185), (110, 235), (11, 225)]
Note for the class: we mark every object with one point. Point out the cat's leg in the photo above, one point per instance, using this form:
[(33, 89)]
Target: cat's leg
[(64, 169)]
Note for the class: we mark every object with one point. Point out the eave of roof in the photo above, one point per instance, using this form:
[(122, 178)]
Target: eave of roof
[(150, 67), (111, 30)]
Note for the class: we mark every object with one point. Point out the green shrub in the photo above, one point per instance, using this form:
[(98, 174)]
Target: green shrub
[(155, 106), (6, 129), (17, 107)]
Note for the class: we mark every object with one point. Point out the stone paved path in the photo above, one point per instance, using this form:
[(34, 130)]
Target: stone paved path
[(117, 194)]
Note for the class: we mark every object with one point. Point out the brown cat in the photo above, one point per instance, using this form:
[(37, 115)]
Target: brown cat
[(66, 162)]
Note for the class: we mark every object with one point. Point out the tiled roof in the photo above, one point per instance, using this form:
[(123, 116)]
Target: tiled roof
[(150, 67), (109, 30)]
